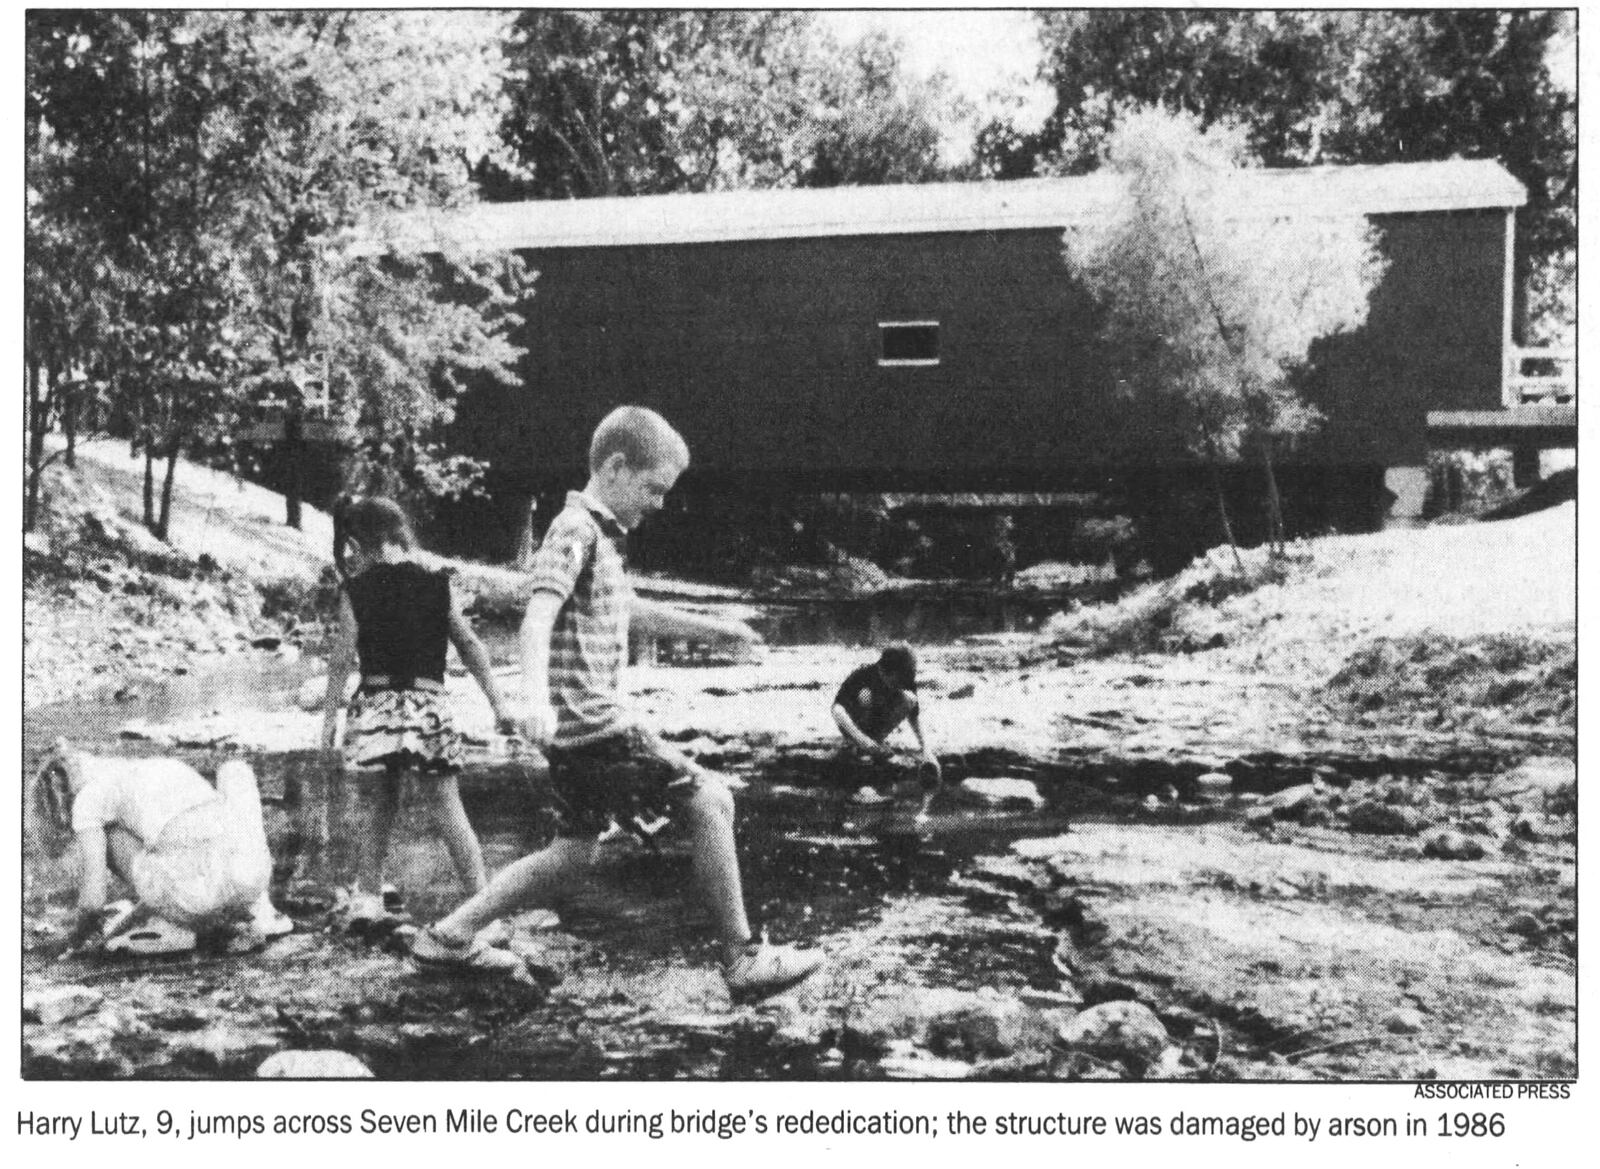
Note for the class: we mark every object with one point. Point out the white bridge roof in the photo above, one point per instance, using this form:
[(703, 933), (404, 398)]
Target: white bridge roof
[(728, 216)]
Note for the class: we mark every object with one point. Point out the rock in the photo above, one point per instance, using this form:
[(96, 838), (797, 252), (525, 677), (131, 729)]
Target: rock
[(1380, 819), (948, 1022), (1260, 818), (969, 1033), (313, 1065), (1123, 1029), (1534, 827), (1316, 816), (966, 691), (1448, 844), (1214, 783), (1000, 792), (1403, 1021), (53, 1005), (1291, 802), (1542, 775), (1525, 925), (915, 1066)]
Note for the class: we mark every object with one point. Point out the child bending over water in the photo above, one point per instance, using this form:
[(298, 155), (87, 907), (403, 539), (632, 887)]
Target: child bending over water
[(872, 701), (195, 855)]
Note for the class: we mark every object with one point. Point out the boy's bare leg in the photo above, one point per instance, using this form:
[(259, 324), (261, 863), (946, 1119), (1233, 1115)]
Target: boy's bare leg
[(121, 847), (709, 811), (450, 821), (535, 881)]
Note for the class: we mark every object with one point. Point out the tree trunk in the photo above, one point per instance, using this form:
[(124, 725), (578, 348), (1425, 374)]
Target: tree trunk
[(294, 466), (149, 485), (1222, 512), (1274, 500), (69, 424), (38, 423), (164, 521)]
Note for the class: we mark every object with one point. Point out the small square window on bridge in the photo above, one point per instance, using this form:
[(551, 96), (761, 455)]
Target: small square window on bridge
[(908, 342)]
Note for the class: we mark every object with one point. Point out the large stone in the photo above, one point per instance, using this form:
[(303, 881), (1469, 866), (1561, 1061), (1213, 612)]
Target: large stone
[(1291, 803), (1403, 1021), (1379, 819), (52, 1005), (1214, 784), (1540, 776), (313, 1065), (967, 1024), (1122, 1030), (1000, 792), (1449, 844)]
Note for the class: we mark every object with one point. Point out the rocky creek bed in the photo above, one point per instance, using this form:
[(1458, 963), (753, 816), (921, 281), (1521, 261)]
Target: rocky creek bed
[(1156, 866)]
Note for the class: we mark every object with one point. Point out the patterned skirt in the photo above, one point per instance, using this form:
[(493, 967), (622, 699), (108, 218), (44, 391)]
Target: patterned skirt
[(402, 729)]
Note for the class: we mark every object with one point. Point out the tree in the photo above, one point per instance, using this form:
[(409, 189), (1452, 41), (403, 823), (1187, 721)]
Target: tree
[(1210, 301), (354, 114), (132, 173), (1327, 87), (659, 101), (211, 169)]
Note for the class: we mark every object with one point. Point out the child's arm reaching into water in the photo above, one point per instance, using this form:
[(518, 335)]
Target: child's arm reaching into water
[(90, 922), (341, 659), (929, 759)]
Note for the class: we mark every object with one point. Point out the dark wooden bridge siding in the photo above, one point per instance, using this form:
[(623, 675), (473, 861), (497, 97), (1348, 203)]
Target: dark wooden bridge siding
[(765, 354)]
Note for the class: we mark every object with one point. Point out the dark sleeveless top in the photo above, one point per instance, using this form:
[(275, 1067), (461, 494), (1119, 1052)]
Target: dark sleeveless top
[(402, 622)]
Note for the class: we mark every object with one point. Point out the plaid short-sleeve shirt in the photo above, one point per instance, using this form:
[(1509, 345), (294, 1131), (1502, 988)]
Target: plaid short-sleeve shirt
[(581, 561)]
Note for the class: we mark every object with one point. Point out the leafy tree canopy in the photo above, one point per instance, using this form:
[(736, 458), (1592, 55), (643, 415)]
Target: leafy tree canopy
[(655, 101), (1325, 87)]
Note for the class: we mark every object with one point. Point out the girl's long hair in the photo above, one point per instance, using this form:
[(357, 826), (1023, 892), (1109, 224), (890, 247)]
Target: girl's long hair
[(369, 522), (50, 807)]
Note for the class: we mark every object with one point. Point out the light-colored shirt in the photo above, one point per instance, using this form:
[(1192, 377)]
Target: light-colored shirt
[(581, 562), (141, 795)]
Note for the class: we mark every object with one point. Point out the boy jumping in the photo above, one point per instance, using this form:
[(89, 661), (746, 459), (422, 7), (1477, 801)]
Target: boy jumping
[(604, 766)]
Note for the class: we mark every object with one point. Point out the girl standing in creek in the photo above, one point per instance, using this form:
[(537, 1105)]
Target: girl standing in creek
[(396, 620)]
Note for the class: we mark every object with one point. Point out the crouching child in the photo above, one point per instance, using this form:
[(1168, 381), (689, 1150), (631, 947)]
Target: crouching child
[(195, 855), (872, 702)]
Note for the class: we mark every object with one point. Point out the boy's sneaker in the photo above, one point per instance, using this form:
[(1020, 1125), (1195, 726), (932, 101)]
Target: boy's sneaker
[(764, 970), (433, 951)]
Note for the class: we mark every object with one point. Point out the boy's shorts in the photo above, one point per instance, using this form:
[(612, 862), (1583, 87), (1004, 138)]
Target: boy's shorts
[(612, 779)]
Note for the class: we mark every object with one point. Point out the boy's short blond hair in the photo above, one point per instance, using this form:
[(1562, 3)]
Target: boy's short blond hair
[(644, 438)]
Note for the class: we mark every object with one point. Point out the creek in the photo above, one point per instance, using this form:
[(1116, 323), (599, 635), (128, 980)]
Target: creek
[(1124, 882)]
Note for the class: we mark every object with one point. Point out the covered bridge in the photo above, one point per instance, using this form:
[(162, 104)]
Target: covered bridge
[(932, 337)]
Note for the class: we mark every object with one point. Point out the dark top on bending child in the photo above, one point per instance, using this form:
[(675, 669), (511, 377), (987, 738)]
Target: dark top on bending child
[(402, 615), (879, 695)]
